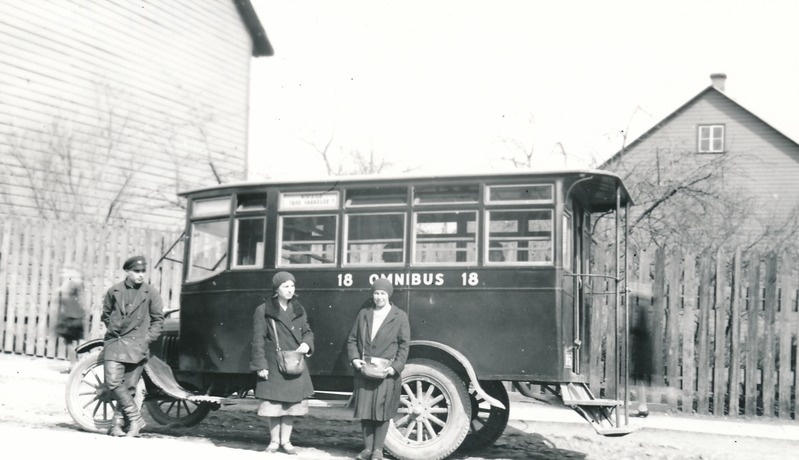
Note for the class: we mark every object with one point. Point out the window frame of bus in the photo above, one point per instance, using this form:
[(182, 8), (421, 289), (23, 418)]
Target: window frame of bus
[(198, 216), (513, 205), (249, 213), (475, 241), (346, 240), (328, 207)]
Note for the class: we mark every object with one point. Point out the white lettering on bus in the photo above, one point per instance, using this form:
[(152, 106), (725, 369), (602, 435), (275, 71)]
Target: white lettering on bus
[(408, 279)]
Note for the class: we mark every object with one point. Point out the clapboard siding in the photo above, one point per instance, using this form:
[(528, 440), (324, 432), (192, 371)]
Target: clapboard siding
[(168, 79), (762, 162)]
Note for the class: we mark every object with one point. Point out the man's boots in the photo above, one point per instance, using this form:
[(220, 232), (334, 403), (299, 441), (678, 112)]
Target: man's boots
[(130, 410), (117, 423)]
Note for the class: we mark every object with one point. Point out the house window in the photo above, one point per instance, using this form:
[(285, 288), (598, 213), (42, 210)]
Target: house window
[(711, 139)]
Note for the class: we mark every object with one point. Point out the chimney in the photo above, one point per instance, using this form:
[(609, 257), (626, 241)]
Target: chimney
[(718, 80)]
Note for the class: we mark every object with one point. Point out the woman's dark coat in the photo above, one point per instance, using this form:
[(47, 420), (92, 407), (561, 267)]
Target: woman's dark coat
[(379, 399), (293, 329)]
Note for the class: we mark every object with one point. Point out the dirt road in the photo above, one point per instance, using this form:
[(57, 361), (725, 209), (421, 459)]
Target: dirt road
[(34, 421)]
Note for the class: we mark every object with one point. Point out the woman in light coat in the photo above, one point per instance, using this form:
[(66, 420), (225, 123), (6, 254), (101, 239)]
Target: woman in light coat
[(381, 330)]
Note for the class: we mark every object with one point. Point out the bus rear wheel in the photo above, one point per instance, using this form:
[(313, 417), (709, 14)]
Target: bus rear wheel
[(170, 411), (434, 413), (488, 422)]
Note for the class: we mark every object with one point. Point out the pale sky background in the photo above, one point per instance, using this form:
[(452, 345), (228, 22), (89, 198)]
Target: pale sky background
[(441, 87)]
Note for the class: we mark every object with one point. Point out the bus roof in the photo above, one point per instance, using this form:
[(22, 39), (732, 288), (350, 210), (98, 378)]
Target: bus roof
[(600, 186)]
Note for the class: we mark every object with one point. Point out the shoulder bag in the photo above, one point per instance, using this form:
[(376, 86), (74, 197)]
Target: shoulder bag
[(290, 362)]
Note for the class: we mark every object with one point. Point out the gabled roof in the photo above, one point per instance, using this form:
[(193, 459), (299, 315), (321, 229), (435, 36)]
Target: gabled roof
[(260, 44), (677, 112)]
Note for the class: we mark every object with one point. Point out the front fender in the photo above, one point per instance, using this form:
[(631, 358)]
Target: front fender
[(89, 346)]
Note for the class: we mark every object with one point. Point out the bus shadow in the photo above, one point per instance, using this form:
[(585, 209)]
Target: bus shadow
[(333, 438)]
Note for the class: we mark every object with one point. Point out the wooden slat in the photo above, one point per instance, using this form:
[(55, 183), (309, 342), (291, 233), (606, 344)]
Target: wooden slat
[(612, 343), (59, 253), (96, 287), (753, 314), (595, 375), (786, 286), (31, 328), (22, 304), (702, 345), (658, 323), (672, 328), (13, 280), (719, 333), (769, 355), (736, 304), (5, 253), (45, 295), (690, 298)]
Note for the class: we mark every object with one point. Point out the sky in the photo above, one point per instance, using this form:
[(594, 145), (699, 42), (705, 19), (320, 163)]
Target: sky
[(442, 87)]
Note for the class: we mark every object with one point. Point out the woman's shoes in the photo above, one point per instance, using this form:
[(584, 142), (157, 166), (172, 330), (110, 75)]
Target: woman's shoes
[(641, 413), (289, 448), (365, 454), (272, 447), (377, 455)]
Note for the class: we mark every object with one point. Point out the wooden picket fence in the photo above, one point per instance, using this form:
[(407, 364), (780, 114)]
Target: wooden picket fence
[(723, 330), (32, 253)]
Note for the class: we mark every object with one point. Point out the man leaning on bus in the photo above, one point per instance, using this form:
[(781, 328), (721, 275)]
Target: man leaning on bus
[(133, 316)]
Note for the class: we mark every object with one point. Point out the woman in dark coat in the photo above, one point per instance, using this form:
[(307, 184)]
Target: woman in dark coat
[(381, 330), (285, 396)]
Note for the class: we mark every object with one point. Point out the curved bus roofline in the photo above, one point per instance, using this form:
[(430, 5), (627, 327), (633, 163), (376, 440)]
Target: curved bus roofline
[(466, 365)]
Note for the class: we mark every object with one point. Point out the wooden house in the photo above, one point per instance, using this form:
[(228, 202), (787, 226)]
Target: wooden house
[(721, 167), (107, 109)]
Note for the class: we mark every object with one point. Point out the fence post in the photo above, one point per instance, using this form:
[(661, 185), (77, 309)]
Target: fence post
[(720, 334), (769, 356), (658, 323), (673, 330), (5, 253), (786, 311), (688, 334), (753, 308), (702, 346), (735, 333)]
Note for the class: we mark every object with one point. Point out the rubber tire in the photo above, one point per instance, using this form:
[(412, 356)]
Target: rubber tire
[(418, 377), (488, 422), (194, 413)]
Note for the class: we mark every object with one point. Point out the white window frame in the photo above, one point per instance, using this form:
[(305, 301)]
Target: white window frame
[(476, 239), (346, 240), (706, 133), (487, 239), (259, 256), (279, 253)]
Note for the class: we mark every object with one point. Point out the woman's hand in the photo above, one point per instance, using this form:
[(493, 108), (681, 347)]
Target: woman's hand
[(303, 348), (358, 363), (390, 371), (264, 374)]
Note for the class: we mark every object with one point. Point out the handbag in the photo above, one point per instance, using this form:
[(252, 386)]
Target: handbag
[(289, 362), (373, 367)]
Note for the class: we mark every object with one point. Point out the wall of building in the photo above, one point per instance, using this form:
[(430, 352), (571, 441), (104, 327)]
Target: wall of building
[(108, 108)]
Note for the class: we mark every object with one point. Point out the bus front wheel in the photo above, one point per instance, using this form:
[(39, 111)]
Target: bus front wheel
[(434, 413)]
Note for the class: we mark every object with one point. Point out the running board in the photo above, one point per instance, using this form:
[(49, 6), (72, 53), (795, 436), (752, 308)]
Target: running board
[(598, 412)]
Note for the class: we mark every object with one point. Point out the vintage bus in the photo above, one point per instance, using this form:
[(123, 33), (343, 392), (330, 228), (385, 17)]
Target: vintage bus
[(491, 270)]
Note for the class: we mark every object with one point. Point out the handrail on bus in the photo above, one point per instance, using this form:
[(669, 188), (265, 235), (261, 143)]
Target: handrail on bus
[(469, 370)]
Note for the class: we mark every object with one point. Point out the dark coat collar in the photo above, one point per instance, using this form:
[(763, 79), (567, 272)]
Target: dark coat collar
[(273, 308)]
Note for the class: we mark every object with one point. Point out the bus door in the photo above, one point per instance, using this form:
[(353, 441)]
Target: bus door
[(574, 263)]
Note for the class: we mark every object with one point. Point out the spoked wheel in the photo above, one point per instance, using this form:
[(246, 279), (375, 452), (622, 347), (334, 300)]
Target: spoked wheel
[(88, 400), (170, 411), (488, 422), (434, 413)]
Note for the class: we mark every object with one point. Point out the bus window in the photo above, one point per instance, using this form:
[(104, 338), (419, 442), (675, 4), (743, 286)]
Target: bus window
[(445, 237), (249, 247), (517, 194), (307, 240), (250, 225), (391, 196), (375, 238), (209, 242), (441, 194), (568, 241), (213, 207), (519, 237)]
